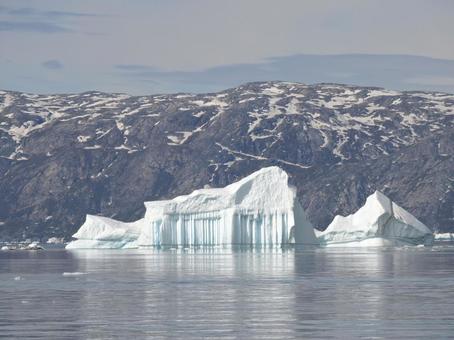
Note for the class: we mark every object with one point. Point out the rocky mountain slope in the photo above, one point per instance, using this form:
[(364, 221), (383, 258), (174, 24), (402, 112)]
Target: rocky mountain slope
[(62, 156)]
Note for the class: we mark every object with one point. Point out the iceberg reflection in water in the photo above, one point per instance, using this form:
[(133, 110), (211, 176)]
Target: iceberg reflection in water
[(224, 293)]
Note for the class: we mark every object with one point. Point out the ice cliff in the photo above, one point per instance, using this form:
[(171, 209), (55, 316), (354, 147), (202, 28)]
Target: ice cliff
[(380, 222), (260, 209)]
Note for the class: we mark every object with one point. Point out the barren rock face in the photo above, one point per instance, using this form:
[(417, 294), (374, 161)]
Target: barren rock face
[(63, 156)]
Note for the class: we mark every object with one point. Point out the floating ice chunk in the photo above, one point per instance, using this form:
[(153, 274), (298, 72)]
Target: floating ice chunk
[(380, 222), (55, 240), (74, 273), (444, 237), (261, 209), (33, 246)]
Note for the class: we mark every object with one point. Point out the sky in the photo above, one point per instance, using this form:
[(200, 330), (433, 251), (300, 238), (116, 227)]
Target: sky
[(155, 46)]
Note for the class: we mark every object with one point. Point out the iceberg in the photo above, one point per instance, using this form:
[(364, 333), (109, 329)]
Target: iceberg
[(103, 232), (380, 222), (444, 237), (261, 210), (55, 240)]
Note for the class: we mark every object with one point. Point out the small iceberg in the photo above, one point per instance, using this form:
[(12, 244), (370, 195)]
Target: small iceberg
[(380, 222), (55, 240), (101, 232), (444, 237), (261, 210), (33, 246)]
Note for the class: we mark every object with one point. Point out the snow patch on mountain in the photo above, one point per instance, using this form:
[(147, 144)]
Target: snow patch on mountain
[(342, 115)]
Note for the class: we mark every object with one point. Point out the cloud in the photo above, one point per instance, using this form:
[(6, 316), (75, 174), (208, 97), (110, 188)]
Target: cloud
[(34, 26), (134, 67), (401, 72), (68, 14), (26, 11), (52, 64), (29, 11), (28, 19)]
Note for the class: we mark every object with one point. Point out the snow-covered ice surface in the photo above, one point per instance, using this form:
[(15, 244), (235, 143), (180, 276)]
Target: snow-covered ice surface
[(261, 209), (380, 222)]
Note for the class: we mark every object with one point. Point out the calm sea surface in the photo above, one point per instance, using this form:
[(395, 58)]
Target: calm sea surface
[(238, 294)]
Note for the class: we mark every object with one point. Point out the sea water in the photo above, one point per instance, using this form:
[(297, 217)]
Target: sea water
[(238, 293)]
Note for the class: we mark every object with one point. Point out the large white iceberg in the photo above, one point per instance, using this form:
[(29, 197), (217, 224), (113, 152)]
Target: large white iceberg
[(261, 209), (380, 222)]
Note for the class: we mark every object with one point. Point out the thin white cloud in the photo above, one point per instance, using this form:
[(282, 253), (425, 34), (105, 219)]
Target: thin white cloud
[(34, 26)]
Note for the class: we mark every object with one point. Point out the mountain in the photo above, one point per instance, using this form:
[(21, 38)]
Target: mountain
[(63, 156)]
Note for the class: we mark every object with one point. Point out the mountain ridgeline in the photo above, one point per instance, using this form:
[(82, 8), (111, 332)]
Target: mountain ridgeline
[(63, 156)]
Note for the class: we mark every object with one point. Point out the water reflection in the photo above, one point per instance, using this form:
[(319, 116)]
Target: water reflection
[(239, 293)]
